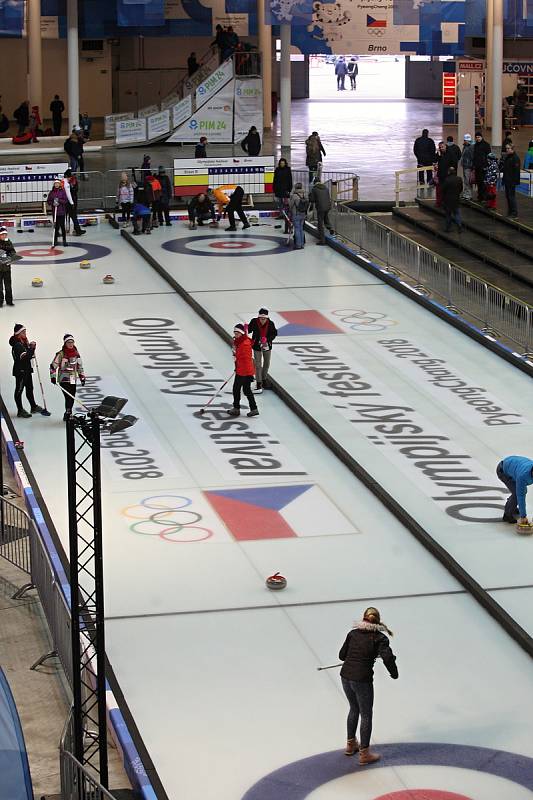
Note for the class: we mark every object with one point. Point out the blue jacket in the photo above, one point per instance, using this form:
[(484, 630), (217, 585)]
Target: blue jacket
[(519, 469)]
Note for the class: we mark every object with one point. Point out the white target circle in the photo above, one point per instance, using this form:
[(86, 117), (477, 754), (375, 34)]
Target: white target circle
[(416, 781)]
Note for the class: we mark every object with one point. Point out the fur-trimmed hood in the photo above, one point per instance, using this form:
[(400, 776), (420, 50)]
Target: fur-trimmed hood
[(372, 627)]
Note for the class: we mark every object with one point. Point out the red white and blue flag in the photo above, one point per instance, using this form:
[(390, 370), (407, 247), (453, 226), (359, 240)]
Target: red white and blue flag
[(375, 23)]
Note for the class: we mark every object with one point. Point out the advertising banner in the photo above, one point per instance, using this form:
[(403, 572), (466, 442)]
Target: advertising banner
[(214, 82), (169, 101), (159, 124), (181, 111), (248, 107), (214, 120), (239, 22), (110, 122), (148, 110), (129, 131)]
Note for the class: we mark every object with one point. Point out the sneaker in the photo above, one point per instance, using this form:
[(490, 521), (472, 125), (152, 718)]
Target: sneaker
[(36, 409), (253, 413), (23, 413), (246, 226), (192, 226), (231, 229), (11, 303), (233, 412), (168, 224), (79, 233), (258, 388)]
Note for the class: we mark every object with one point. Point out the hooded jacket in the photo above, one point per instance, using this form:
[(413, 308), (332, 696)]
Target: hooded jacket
[(467, 158), (22, 353), (314, 151), (62, 201), (282, 183), (424, 150), (251, 143), (244, 360), (519, 469), (362, 646), (7, 249), (510, 166), (319, 196)]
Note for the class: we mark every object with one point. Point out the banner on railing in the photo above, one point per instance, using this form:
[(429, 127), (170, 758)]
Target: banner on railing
[(214, 120), (169, 101), (182, 111), (110, 121), (159, 124), (130, 131), (248, 107), (148, 110), (208, 88)]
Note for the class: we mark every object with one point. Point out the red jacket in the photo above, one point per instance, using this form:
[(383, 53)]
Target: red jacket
[(244, 360)]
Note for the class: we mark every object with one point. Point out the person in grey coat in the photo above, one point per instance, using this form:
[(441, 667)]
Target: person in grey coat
[(467, 161), (320, 199), (298, 205)]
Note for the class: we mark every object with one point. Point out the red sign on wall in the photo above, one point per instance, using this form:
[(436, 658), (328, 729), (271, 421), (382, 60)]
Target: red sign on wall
[(449, 89)]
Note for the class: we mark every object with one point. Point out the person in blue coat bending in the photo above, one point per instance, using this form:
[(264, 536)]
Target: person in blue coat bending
[(517, 474)]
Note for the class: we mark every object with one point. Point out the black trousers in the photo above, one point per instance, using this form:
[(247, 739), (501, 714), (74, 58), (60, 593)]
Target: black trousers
[(243, 382), (70, 388), (232, 210), (480, 182), (163, 211), (56, 124), (72, 211), (5, 285), (126, 211), (511, 505), (510, 196), (428, 174), (24, 381), (60, 228)]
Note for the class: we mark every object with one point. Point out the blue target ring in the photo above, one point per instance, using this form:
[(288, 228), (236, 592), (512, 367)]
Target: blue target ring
[(91, 252), (238, 246), (297, 780)]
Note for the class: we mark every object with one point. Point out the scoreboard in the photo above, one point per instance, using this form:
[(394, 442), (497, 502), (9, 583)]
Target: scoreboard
[(27, 183), (194, 175)]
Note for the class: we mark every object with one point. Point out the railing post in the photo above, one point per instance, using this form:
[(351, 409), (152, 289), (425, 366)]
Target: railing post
[(449, 283), (418, 264), (355, 187), (397, 189), (388, 248), (486, 313), (334, 191)]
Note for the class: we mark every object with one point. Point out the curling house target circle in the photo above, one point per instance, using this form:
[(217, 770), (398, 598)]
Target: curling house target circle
[(235, 246), (407, 771), (42, 253)]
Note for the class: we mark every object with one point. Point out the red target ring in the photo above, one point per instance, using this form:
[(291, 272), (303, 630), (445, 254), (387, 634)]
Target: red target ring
[(422, 794), (234, 245), (40, 252)]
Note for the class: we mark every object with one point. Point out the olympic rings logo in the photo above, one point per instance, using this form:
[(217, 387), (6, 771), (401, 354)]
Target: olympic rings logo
[(376, 31), (364, 321), (168, 517)]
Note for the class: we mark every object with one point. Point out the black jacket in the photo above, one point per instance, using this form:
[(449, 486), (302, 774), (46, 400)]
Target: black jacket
[(73, 147), (481, 151), (22, 355), (251, 143), (204, 209), (200, 151), (455, 152), (166, 188), (57, 107), (271, 334), (444, 162), (511, 170), (424, 150), (236, 199), (22, 114), (359, 652), (451, 191), (7, 249), (282, 184)]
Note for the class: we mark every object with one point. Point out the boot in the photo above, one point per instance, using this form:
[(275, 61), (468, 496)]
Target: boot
[(23, 413), (352, 746), (233, 412), (367, 757), (253, 413), (36, 409)]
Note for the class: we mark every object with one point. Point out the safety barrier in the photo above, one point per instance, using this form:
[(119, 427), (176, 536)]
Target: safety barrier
[(15, 529), (77, 783), (499, 313), (414, 189), (344, 186)]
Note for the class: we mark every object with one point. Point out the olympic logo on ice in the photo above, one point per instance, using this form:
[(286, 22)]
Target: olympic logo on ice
[(364, 321), (168, 517)]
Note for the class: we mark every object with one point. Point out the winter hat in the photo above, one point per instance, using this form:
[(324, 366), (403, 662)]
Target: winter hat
[(467, 137), (263, 312), (161, 170), (3, 230), (239, 328), (18, 328), (67, 337), (67, 173)]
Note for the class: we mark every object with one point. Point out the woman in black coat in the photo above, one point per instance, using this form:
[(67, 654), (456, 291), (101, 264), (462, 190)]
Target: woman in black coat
[(282, 187), (364, 643), (251, 143)]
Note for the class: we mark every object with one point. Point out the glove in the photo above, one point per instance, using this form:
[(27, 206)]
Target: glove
[(53, 380), (82, 381), (56, 202)]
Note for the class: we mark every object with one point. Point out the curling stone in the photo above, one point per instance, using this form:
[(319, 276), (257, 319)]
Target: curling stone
[(108, 279), (85, 264), (524, 529), (37, 282), (276, 581)]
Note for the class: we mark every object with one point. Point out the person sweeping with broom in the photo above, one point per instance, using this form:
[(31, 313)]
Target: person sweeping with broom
[(244, 371), (66, 368)]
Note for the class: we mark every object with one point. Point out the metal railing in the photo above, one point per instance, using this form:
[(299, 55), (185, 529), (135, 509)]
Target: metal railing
[(15, 528), (413, 188), (77, 783), (497, 312), (344, 186)]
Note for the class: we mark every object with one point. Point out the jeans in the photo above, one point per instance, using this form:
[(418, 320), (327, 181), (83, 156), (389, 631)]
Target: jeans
[(361, 699), (72, 212), (467, 187), (453, 215), (23, 380), (298, 223), (340, 81), (126, 212), (5, 284), (352, 80), (243, 382), (70, 389), (511, 506), (510, 196), (262, 364)]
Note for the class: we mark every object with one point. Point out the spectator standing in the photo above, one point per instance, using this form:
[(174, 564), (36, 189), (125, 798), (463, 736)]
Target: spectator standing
[(219, 41), (22, 352), (282, 187), (263, 332), (481, 151), (528, 158), (66, 368), (4, 122), (57, 201), (86, 125), (244, 372), (125, 197), (200, 150), (71, 187), (353, 72), (74, 149), (166, 196), (7, 251), (508, 139), (298, 207), (341, 71), (443, 163), (510, 167), (251, 143), (454, 151), (235, 207), (451, 199), (192, 64), (467, 161), (231, 41), (314, 151), (319, 197), (200, 209), (35, 122), (520, 99), (492, 174), (425, 150), (57, 107), (152, 193), (22, 116)]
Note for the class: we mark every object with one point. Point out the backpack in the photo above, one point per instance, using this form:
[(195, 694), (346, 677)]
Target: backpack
[(303, 205), (313, 147)]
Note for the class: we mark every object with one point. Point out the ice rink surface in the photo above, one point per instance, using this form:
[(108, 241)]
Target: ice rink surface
[(219, 673)]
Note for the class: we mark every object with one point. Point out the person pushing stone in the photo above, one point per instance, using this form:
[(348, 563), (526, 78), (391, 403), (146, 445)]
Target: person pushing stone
[(516, 472)]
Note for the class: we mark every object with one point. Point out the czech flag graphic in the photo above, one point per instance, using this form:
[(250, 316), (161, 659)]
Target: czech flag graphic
[(375, 23)]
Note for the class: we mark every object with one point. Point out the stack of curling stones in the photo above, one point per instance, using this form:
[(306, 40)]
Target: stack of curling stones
[(108, 279), (85, 264), (276, 581), (37, 282)]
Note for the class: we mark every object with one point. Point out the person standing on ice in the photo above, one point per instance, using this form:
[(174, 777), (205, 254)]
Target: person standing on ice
[(244, 372), (364, 643), (23, 351), (517, 474), (263, 332), (65, 369)]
